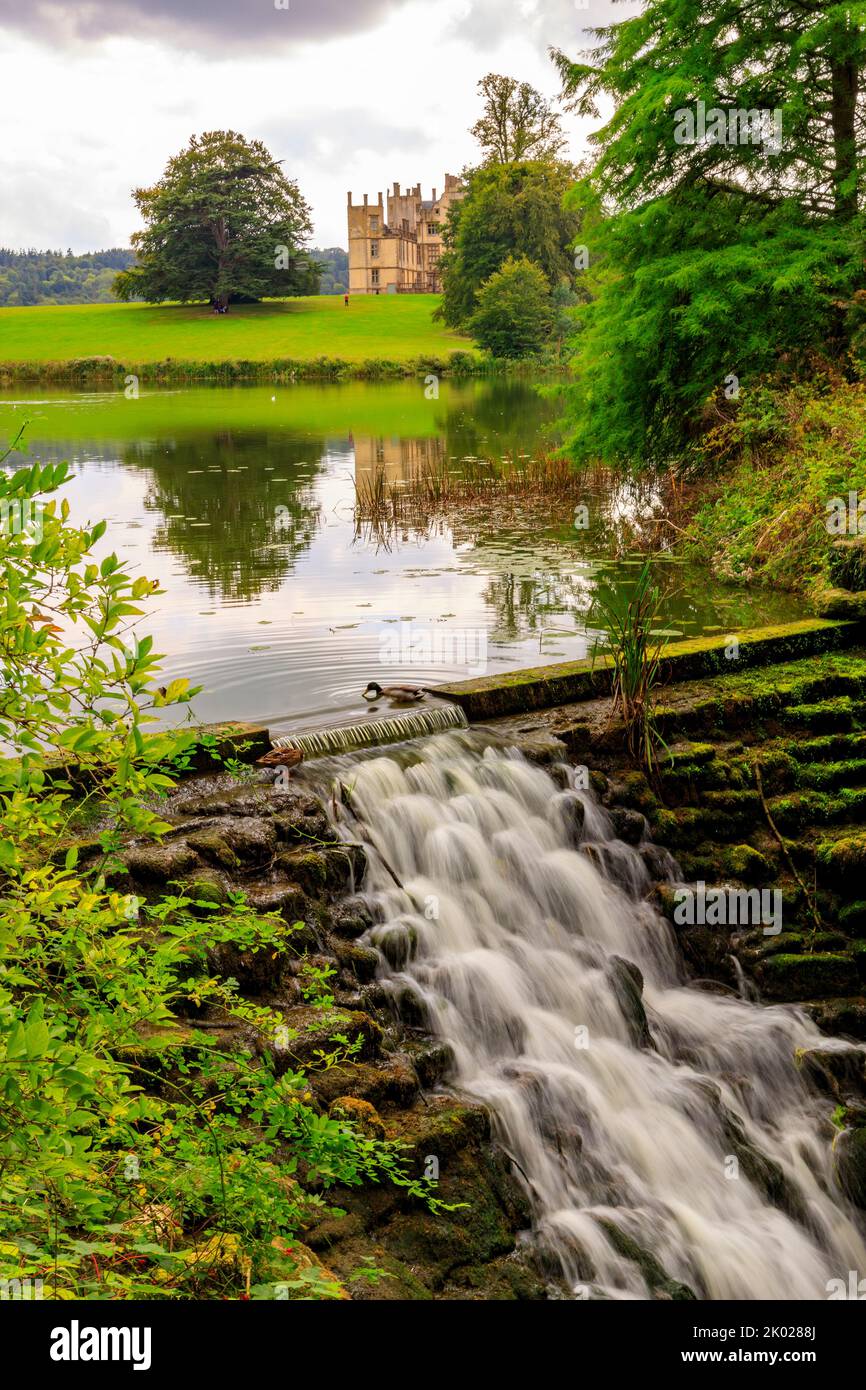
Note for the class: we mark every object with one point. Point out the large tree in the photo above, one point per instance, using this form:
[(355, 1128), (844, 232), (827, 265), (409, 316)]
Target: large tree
[(517, 122), (223, 223), (723, 213), (508, 210)]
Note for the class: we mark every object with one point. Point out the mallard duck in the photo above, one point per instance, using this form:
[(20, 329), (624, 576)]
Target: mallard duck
[(403, 694), (281, 757)]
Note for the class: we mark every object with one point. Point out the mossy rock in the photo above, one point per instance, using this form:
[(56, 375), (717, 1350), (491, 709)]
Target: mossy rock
[(748, 864), (845, 859), (395, 1281), (432, 1060), (846, 563), (839, 1017), (827, 747), (837, 1073), (441, 1127), (509, 1278), (306, 867), (214, 849), (794, 977), (160, 863), (358, 961), (360, 1114), (253, 839), (826, 776), (691, 755), (658, 1281), (391, 1082), (312, 1032), (843, 604), (827, 716), (483, 1228), (849, 1152), (852, 918), (206, 885), (634, 790)]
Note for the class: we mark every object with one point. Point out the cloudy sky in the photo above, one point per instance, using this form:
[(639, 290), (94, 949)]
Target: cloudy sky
[(352, 94)]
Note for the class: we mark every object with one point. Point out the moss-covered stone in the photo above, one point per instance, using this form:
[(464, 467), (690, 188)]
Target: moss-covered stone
[(360, 1114), (836, 714), (160, 863), (845, 858), (852, 917), (214, 849), (514, 692), (391, 1082), (846, 562), (792, 977), (849, 1151), (206, 885), (746, 863)]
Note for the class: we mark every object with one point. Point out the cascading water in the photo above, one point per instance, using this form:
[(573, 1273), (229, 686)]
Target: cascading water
[(687, 1131), (375, 732)]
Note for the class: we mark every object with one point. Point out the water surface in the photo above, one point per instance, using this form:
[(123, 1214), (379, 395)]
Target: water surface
[(240, 501)]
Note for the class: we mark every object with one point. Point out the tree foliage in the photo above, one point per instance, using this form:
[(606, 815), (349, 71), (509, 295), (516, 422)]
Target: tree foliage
[(715, 259), (518, 123), (224, 222), (514, 312), (509, 210)]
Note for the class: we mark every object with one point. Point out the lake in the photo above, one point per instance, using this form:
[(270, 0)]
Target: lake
[(241, 502)]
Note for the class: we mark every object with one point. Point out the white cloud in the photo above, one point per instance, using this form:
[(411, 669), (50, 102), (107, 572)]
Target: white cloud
[(363, 94)]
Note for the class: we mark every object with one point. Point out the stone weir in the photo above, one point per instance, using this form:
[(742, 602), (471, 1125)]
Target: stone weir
[(760, 786)]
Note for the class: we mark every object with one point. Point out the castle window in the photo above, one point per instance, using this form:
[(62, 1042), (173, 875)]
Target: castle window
[(374, 248), (374, 276), (374, 224), (432, 229)]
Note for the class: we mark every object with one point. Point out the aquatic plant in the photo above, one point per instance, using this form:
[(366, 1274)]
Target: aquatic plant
[(636, 647)]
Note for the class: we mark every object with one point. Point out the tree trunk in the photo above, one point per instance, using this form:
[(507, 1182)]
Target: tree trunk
[(845, 78)]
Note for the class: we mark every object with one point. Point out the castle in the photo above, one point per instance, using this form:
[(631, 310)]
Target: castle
[(399, 253)]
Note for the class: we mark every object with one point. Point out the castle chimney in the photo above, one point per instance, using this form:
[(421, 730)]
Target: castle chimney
[(396, 190), (350, 197), (365, 200), (434, 195)]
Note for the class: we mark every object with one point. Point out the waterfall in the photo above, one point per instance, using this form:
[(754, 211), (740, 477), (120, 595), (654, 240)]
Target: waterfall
[(374, 732), (678, 1126)]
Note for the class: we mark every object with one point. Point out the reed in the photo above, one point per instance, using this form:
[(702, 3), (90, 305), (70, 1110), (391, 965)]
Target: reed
[(428, 493), (636, 650)]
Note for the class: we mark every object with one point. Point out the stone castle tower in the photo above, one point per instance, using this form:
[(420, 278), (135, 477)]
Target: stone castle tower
[(396, 251)]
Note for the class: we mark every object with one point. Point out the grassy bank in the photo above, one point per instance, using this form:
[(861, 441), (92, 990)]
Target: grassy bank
[(760, 512), (309, 338)]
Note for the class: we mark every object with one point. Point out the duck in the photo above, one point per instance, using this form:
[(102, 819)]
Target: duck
[(403, 694), (281, 757)]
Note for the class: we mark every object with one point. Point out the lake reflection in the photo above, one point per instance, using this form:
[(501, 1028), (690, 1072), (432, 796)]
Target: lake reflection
[(240, 501)]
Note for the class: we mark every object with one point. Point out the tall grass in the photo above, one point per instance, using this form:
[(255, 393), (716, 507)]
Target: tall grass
[(636, 649)]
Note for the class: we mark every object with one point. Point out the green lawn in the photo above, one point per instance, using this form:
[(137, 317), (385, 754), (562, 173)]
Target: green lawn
[(392, 327)]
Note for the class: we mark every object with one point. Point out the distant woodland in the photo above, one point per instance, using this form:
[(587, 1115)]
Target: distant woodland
[(57, 277)]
